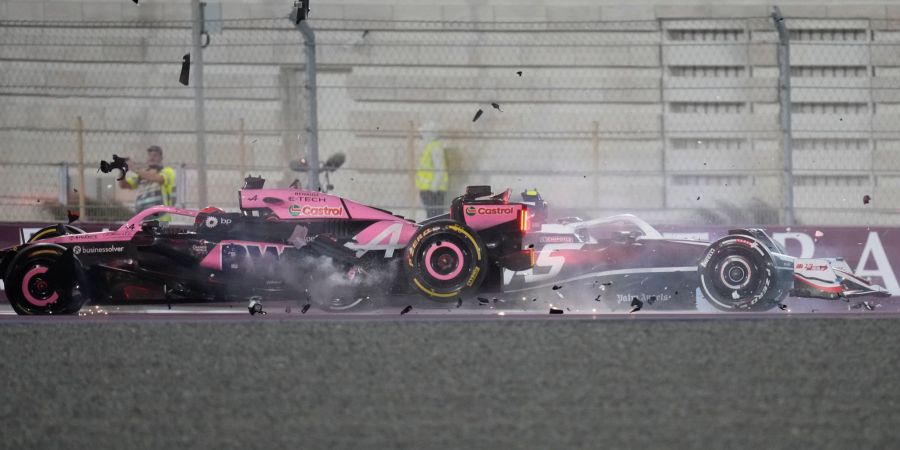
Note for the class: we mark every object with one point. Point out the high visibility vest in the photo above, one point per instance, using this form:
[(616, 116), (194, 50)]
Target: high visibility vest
[(425, 174)]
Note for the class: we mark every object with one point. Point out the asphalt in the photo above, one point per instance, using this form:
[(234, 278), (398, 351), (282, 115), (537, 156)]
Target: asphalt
[(420, 382)]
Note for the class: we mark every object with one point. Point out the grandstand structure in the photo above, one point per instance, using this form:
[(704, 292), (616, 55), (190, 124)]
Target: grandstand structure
[(668, 112)]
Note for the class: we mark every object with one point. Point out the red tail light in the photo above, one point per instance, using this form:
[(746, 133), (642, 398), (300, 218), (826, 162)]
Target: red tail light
[(524, 220)]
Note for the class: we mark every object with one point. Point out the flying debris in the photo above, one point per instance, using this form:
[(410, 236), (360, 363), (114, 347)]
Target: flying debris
[(477, 115), (698, 197), (298, 236), (866, 199), (72, 215), (557, 287), (496, 106), (597, 298), (782, 306), (295, 184), (255, 306), (555, 311), (406, 310), (651, 300), (135, 1), (304, 309), (185, 69), (818, 234), (458, 302), (636, 305), (519, 73), (865, 304), (483, 301)]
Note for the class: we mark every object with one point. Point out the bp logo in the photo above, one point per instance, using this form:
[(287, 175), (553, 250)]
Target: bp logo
[(294, 210), (76, 249), (211, 222), (470, 210)]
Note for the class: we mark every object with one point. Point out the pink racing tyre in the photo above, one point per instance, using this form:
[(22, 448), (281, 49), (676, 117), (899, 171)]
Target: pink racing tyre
[(737, 273), (445, 259), (32, 290)]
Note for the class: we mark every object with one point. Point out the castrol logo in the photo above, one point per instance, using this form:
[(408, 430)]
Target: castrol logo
[(489, 210), (307, 210)]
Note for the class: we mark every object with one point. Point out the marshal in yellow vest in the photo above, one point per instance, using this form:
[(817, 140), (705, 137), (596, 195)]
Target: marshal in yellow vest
[(425, 174)]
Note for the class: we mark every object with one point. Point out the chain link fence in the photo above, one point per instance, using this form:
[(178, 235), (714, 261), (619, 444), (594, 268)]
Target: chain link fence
[(674, 120)]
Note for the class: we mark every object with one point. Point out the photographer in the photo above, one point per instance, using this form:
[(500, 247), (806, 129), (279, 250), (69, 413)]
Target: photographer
[(155, 184)]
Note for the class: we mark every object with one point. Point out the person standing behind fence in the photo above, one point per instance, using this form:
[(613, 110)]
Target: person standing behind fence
[(431, 173), (155, 184)]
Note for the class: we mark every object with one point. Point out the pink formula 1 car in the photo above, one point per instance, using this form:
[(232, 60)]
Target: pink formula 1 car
[(290, 243)]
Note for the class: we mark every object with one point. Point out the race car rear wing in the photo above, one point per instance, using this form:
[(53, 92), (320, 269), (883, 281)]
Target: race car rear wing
[(831, 279)]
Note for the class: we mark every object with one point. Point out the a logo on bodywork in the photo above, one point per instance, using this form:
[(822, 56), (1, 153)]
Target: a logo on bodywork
[(88, 250), (306, 210)]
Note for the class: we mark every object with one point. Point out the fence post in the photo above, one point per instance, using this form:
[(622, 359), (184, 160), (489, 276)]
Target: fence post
[(595, 147), (79, 124), (784, 98), (411, 151), (312, 118), (243, 149), (63, 192), (199, 111)]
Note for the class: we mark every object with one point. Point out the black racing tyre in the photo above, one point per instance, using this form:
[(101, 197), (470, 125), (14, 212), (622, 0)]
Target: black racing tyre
[(445, 259), (31, 291), (54, 231), (737, 273)]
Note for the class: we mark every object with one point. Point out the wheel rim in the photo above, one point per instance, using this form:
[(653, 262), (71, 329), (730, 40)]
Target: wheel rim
[(444, 260), (36, 289), (735, 272)]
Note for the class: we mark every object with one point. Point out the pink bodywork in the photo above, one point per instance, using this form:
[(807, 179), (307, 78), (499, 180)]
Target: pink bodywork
[(123, 233), (289, 204), (480, 217)]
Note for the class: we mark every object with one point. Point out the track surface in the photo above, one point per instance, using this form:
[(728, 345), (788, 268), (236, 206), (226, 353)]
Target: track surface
[(217, 377)]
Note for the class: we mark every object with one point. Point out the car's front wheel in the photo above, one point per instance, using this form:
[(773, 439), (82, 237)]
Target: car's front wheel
[(37, 284), (737, 273)]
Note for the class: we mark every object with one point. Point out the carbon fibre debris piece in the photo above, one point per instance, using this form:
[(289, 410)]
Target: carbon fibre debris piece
[(483, 301), (519, 73), (185, 75), (459, 302), (405, 310), (477, 115), (72, 215), (304, 309), (597, 298), (866, 199), (496, 106), (556, 311), (557, 287), (636, 305)]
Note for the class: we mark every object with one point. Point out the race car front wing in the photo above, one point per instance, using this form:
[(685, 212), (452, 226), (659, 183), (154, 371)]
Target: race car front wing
[(831, 279)]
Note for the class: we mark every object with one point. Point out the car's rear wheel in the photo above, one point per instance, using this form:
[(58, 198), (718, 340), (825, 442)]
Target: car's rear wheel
[(737, 273), (446, 259), (32, 289)]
